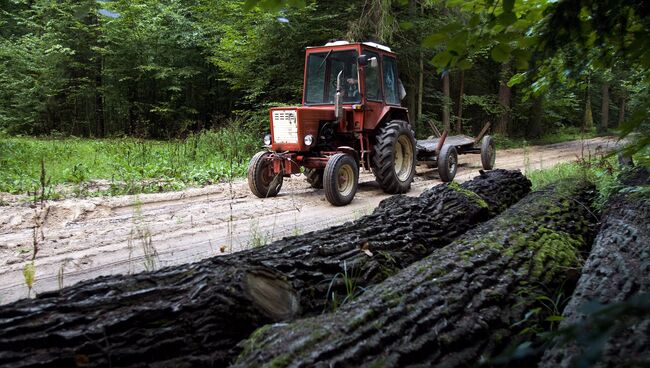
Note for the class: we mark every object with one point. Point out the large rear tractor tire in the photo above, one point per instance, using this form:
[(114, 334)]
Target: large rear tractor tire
[(447, 163), (394, 155), (314, 177), (488, 152), (341, 179), (261, 179)]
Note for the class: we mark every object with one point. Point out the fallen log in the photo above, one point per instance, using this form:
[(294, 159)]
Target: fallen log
[(130, 320), (616, 272), (454, 308), (119, 327)]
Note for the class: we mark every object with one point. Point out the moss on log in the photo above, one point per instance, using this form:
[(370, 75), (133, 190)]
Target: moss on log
[(454, 308), (195, 315), (617, 271)]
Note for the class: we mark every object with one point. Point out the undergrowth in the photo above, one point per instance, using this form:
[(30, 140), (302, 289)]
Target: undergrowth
[(563, 134), (123, 165)]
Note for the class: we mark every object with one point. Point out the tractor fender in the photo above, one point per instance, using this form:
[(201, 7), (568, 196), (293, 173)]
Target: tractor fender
[(394, 113), (350, 151)]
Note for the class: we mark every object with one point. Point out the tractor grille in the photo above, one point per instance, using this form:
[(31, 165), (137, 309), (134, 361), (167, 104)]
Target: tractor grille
[(285, 126)]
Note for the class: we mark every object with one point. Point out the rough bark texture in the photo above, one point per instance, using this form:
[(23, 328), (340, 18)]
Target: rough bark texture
[(446, 103), (455, 307), (604, 115), (505, 94), (201, 311), (161, 316), (617, 270)]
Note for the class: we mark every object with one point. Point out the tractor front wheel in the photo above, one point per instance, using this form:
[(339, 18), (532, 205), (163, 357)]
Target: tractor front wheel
[(340, 179), (447, 163), (393, 159), (262, 181), (314, 177)]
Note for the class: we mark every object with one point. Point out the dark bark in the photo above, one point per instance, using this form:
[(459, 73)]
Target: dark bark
[(505, 94), (459, 119), (455, 307), (604, 115), (446, 102), (131, 320), (139, 316), (621, 111), (617, 270)]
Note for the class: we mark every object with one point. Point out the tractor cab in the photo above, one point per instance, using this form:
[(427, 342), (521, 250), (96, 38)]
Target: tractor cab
[(350, 118)]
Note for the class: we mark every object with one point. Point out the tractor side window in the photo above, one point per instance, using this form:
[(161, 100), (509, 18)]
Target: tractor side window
[(373, 79), (391, 89)]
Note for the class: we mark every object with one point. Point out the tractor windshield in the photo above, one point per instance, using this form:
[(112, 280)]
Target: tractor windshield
[(322, 70)]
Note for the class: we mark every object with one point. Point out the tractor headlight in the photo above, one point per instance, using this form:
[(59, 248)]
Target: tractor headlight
[(309, 139), (267, 140)]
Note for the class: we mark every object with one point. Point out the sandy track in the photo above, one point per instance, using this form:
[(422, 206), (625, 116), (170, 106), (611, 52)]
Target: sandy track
[(84, 238)]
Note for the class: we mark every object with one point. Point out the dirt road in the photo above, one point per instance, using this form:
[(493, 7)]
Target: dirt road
[(79, 239)]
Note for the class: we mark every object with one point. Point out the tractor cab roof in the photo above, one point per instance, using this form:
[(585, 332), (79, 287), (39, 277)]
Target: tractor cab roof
[(346, 44)]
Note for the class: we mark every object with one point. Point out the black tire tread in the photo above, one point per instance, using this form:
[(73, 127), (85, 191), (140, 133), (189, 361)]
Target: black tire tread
[(382, 158)]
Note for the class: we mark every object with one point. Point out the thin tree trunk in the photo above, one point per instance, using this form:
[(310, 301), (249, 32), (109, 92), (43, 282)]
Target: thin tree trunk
[(420, 86), (459, 121), (588, 121), (455, 308), (604, 116), (503, 122), (621, 111), (536, 117), (446, 101)]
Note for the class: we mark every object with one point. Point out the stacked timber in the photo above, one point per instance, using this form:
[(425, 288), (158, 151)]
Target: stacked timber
[(194, 315), (607, 321), (455, 308)]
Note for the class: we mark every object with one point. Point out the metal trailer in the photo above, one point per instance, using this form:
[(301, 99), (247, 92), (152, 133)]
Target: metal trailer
[(442, 152)]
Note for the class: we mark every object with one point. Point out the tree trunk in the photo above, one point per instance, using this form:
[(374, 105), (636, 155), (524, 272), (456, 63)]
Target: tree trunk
[(134, 319), (446, 101), (420, 86), (616, 271), (588, 121), (503, 122), (621, 111), (604, 116), (459, 121), (180, 300), (454, 308), (536, 115)]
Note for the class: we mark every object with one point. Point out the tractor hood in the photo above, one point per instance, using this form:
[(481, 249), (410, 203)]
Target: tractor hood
[(290, 126)]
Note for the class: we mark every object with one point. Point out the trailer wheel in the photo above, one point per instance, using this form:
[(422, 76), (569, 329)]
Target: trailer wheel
[(394, 155), (447, 163), (261, 179), (315, 177), (488, 152), (340, 179)]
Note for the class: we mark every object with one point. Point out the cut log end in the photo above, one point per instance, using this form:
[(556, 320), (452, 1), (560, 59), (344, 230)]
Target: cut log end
[(274, 296)]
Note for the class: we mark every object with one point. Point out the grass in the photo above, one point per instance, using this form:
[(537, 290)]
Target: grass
[(124, 165), (563, 134)]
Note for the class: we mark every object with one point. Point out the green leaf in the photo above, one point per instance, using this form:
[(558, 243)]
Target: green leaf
[(507, 18), (441, 60), (406, 25), (516, 79), (465, 64), (457, 43), (434, 40), (501, 53)]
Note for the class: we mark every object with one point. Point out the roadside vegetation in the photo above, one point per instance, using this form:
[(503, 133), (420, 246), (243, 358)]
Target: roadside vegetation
[(111, 166)]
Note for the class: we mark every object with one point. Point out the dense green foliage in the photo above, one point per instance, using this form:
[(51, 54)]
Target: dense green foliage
[(62, 167), (165, 68)]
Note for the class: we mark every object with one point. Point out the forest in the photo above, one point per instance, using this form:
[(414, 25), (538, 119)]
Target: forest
[(165, 69)]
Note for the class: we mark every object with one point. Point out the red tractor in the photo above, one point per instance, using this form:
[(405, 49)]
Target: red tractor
[(350, 118)]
